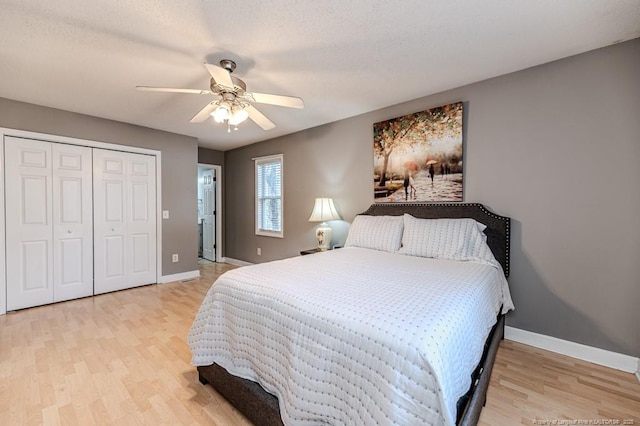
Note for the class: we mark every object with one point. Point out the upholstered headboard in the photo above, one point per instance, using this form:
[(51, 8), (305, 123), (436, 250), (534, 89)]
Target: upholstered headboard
[(498, 227)]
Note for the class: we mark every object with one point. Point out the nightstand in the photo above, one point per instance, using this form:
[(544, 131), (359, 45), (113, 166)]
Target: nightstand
[(310, 251)]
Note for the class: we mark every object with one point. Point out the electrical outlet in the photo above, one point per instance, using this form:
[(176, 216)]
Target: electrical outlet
[(174, 257), (259, 251)]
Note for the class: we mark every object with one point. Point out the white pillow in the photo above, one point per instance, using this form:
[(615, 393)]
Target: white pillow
[(376, 232), (454, 239)]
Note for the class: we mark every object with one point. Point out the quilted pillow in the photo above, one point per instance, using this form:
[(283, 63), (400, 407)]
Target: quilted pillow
[(454, 239), (376, 232)]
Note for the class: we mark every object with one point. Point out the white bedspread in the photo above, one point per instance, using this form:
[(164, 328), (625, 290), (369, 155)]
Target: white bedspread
[(353, 336)]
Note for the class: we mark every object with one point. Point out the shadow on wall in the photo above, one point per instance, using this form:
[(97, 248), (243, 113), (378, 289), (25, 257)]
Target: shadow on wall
[(340, 230), (540, 311)]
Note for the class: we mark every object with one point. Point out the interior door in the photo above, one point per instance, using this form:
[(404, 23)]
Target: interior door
[(72, 222), (124, 220), (29, 234), (208, 224)]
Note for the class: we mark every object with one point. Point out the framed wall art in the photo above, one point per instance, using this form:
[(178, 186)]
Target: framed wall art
[(418, 157)]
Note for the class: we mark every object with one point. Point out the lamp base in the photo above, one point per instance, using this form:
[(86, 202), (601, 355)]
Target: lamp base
[(323, 234)]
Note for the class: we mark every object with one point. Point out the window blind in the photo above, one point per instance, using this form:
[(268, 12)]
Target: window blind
[(269, 195)]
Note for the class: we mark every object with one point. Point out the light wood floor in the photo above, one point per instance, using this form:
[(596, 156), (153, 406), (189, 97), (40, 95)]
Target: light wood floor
[(122, 358)]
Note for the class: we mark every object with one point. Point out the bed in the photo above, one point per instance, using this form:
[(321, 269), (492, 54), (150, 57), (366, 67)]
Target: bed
[(383, 331)]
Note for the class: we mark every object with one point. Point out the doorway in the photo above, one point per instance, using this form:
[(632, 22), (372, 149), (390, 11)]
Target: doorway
[(209, 212)]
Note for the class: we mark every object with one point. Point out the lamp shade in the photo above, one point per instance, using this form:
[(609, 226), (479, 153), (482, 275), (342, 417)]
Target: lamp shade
[(324, 210), (238, 116), (222, 112)]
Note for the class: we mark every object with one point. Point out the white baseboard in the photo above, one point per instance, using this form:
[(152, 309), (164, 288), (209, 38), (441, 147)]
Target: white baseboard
[(599, 356), (236, 262), (189, 275)]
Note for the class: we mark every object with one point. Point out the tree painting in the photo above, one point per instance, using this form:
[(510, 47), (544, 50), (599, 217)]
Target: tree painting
[(418, 157)]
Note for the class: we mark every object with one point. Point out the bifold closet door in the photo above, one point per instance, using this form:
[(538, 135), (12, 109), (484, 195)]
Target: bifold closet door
[(48, 222), (28, 223), (72, 222), (124, 220)]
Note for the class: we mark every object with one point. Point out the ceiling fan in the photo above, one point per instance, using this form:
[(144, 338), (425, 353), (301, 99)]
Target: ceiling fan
[(233, 103)]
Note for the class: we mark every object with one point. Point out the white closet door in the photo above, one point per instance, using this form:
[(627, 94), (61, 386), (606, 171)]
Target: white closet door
[(208, 226), (124, 213), (29, 236), (72, 222), (141, 216), (110, 232)]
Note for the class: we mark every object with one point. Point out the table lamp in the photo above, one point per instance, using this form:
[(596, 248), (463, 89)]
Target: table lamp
[(323, 211)]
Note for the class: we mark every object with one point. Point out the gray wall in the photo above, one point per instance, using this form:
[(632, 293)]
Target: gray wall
[(179, 167), (210, 156), (555, 147)]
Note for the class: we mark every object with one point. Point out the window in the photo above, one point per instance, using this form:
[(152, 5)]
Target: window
[(269, 196)]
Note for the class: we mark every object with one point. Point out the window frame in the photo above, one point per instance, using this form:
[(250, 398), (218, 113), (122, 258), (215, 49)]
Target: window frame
[(258, 162)]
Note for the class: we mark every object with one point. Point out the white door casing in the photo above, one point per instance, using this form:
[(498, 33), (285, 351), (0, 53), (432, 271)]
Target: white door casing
[(3, 260), (72, 222), (29, 236), (209, 206), (124, 220)]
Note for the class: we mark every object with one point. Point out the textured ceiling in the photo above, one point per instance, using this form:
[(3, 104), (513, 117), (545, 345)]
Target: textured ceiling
[(342, 57)]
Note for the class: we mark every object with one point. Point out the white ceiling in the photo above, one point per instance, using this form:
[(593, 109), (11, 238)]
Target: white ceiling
[(343, 57)]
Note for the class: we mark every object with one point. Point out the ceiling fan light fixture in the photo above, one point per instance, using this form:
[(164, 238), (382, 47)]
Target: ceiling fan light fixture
[(222, 112), (233, 104), (238, 116)]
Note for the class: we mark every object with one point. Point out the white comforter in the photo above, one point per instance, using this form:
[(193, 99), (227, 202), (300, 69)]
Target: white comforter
[(353, 336)]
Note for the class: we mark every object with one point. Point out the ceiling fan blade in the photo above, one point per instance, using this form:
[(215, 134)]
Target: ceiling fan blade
[(173, 90), (280, 100), (220, 75), (259, 118), (204, 112)]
